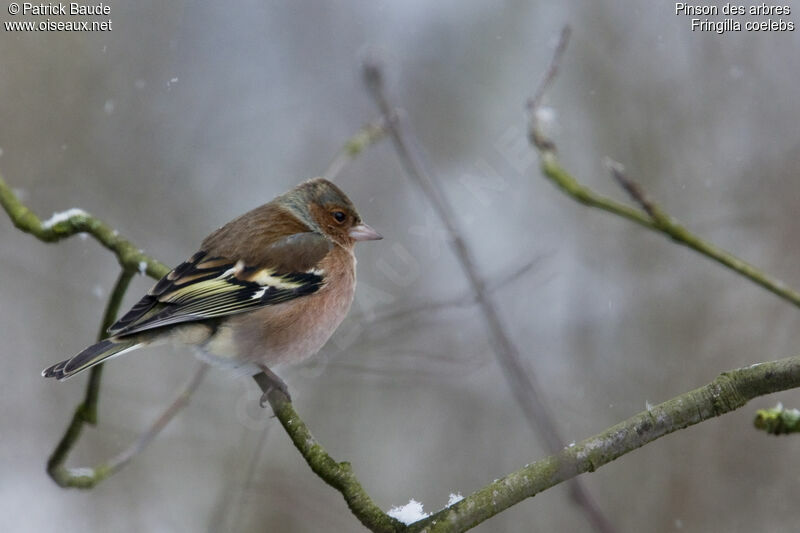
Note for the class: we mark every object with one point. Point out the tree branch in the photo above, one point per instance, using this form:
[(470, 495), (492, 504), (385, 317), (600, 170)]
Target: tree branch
[(77, 221), (730, 391), (340, 476), (653, 217)]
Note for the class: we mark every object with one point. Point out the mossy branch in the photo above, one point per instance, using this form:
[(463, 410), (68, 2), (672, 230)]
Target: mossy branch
[(730, 391), (338, 475), (130, 257)]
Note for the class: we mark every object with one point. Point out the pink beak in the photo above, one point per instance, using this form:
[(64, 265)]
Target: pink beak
[(362, 232)]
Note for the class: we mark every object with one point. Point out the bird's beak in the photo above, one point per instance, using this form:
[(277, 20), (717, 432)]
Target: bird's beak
[(362, 232)]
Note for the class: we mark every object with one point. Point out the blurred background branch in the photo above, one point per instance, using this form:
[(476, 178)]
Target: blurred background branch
[(524, 387)]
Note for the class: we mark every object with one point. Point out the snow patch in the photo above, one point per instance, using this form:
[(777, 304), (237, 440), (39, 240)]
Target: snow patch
[(454, 498), (546, 116), (408, 513), (63, 216)]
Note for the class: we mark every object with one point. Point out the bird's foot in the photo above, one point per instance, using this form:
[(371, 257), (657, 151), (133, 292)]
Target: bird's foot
[(269, 382)]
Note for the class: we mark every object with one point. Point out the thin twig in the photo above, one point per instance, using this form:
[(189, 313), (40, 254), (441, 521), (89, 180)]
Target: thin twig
[(634, 190), (88, 477), (180, 401), (523, 386), (653, 218), (535, 102), (461, 301)]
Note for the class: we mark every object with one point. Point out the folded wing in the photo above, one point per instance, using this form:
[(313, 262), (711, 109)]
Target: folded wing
[(207, 286)]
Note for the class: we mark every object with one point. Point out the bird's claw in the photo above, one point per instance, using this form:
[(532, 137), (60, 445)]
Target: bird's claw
[(274, 383)]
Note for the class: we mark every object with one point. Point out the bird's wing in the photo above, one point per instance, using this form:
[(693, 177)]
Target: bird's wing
[(209, 286)]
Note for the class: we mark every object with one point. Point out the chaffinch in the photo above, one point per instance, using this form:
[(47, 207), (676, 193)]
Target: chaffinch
[(267, 288)]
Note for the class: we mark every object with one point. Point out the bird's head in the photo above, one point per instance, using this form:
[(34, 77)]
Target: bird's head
[(326, 209)]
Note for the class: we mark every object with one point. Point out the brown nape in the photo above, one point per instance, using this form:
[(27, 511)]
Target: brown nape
[(247, 236)]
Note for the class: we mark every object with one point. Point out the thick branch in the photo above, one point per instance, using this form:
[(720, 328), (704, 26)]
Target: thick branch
[(730, 391), (129, 256)]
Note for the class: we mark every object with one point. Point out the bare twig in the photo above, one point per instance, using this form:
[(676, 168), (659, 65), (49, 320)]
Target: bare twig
[(523, 386), (634, 190), (534, 103), (132, 260), (181, 400), (88, 477), (461, 301), (552, 70)]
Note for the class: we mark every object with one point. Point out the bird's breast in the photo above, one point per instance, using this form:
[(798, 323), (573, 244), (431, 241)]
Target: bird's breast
[(295, 330)]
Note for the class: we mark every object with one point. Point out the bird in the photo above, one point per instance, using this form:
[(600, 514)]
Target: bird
[(267, 288)]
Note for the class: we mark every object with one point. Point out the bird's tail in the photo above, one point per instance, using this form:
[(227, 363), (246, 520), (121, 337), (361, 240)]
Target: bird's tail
[(94, 354)]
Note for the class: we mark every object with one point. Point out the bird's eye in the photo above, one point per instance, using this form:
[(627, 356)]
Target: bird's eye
[(339, 216)]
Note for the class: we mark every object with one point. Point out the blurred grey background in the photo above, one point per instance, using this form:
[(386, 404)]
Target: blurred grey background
[(189, 113)]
